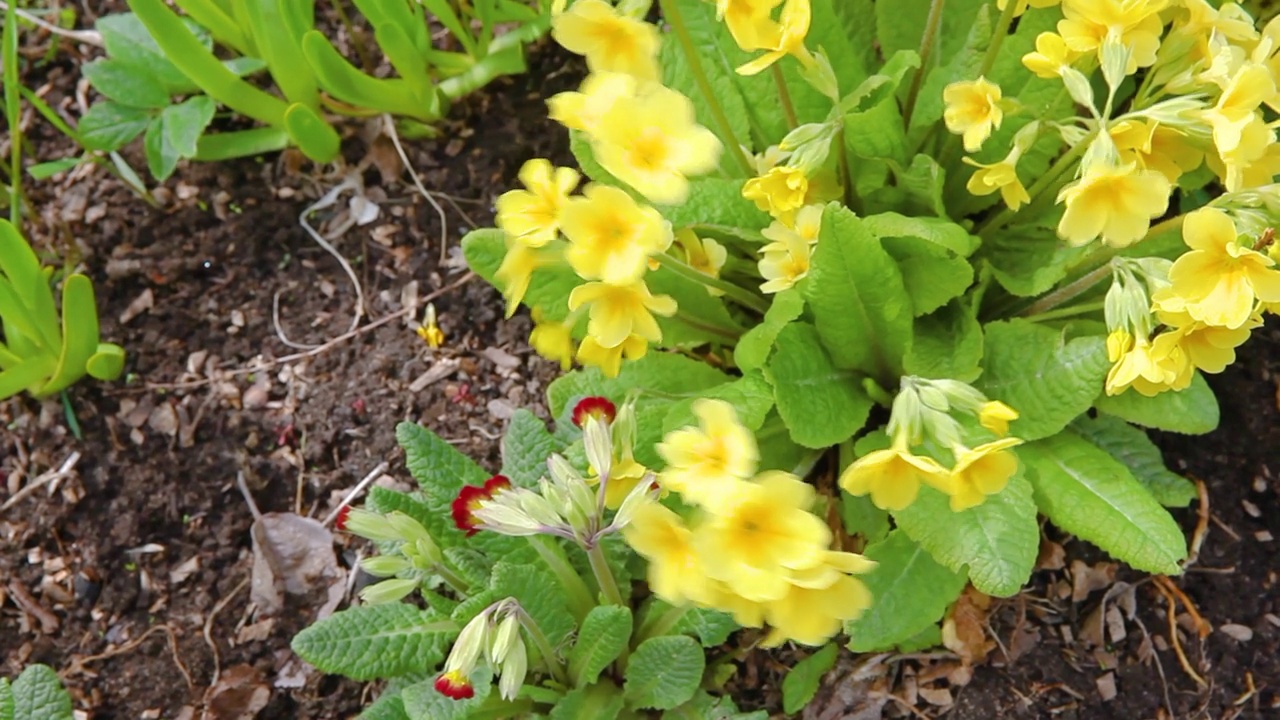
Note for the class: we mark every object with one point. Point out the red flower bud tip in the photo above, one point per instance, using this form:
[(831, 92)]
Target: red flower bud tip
[(454, 685), (340, 522), (469, 499), (596, 407)]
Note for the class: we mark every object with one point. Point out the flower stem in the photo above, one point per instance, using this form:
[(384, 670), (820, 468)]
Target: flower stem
[(676, 20), (662, 624), (1067, 292), (784, 96), (997, 38), (1036, 191), (554, 665), (580, 598), (926, 49), (744, 298), (452, 578), (1064, 312), (604, 576)]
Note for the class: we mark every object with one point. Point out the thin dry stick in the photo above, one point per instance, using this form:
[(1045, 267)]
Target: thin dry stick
[(1164, 681), (77, 664), (208, 629), (1173, 637), (91, 37), (359, 488), (63, 471), (390, 126)]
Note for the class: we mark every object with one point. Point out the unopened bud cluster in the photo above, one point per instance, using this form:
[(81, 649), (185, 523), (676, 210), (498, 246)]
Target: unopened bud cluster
[(493, 637)]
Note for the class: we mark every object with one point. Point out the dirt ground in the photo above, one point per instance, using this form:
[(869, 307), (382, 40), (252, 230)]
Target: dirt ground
[(129, 578)]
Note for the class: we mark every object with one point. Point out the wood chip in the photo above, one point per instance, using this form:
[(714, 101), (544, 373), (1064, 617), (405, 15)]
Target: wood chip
[(442, 369), (1273, 619), (1107, 687), (936, 696), (1263, 536), (1115, 625), (1251, 509), (144, 302), (1242, 633), (501, 358), (1086, 578)]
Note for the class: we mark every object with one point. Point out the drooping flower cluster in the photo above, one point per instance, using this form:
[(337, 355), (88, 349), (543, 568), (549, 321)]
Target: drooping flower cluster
[(492, 637), (752, 546)]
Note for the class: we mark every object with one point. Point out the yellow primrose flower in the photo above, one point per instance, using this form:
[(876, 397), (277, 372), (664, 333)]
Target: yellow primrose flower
[(1220, 279), (533, 215), (754, 540), (517, 269), (1051, 55), (982, 471), (973, 110), (1135, 23), (789, 39), (703, 254), (623, 478), (611, 41), (1150, 367), (653, 143), (584, 109), (618, 312), (609, 359), (779, 192), (996, 416), (1002, 176), (808, 222), (552, 340), (785, 261), (1022, 5), (812, 614), (1254, 162), (1244, 93), (675, 572), (1210, 348), (1117, 203), (1119, 342), (704, 464), (893, 476), (749, 21), (611, 236), (1155, 147)]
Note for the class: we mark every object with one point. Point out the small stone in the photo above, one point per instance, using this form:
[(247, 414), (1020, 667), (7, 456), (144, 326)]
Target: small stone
[(1242, 633)]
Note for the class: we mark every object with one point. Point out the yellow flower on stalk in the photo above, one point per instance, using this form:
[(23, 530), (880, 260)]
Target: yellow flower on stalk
[(1219, 280), (996, 416), (703, 254), (780, 191), (893, 475), (1116, 203), (808, 223), (1254, 162), (756, 539), (1135, 24), (705, 464), (749, 21), (1155, 147), (972, 110), (609, 359), (623, 478), (584, 108), (552, 340), (653, 143), (611, 41), (1001, 176), (785, 261), (787, 39), (1245, 92), (1150, 367), (820, 601), (618, 312), (982, 471), (533, 215), (516, 270), (1207, 347), (611, 236), (1022, 5), (675, 572), (1051, 55)]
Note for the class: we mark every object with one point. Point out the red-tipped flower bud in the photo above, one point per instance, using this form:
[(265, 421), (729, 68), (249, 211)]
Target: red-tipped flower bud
[(469, 499), (597, 407), (455, 685), (340, 522)]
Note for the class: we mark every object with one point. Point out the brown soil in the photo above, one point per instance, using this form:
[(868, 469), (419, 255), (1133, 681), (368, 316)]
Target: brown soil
[(104, 564)]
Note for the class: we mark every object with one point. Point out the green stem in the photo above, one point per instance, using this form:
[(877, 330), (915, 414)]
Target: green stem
[(604, 576), (1164, 226), (926, 48), (1051, 176), (997, 39), (1067, 292), (1069, 311), (743, 297), (452, 578), (580, 598), (674, 18), (13, 110), (846, 177), (554, 664), (784, 96), (660, 625)]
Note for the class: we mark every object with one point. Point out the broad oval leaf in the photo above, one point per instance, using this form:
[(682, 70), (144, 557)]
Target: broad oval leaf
[(911, 591)]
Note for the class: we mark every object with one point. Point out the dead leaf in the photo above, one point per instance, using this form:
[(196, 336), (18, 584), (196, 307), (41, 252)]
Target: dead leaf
[(936, 696), (1087, 578), (1107, 686), (963, 631), (184, 571), (144, 302), (1052, 556), (293, 554), (239, 695)]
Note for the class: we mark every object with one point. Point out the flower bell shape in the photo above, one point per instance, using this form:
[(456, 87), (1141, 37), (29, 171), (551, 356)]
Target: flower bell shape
[(469, 499)]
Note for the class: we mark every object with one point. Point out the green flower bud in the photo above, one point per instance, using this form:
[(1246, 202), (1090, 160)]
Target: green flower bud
[(388, 590), (385, 565)]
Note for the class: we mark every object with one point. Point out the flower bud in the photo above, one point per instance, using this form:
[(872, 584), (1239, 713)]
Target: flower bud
[(506, 637), (388, 590), (385, 565), (645, 492), (412, 532), (371, 526), (513, 670), (598, 446), (539, 508), (960, 395), (506, 520), (470, 643)]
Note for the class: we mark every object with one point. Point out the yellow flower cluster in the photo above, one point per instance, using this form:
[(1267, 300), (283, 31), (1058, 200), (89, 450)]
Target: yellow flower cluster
[(1213, 296), (642, 133), (753, 548)]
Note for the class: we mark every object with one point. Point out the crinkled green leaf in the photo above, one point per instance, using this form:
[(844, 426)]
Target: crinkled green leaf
[(664, 672), (6, 700), (1048, 381), (820, 404), (802, 680), (900, 26), (376, 641), (935, 231), (1132, 447), (1193, 411), (705, 706), (602, 701), (717, 202), (665, 374), (439, 468), (110, 126), (755, 345), (1029, 261), (750, 395), (911, 591), (539, 593), (932, 275), (550, 287), (948, 344), (861, 517), (38, 694), (388, 706), (605, 633), (526, 445), (423, 702), (1088, 493), (712, 627), (997, 540)]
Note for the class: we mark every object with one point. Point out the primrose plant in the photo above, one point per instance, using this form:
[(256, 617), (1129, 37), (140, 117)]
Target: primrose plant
[(942, 260), (526, 581)]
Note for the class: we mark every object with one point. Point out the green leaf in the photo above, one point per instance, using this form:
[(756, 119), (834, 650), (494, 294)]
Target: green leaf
[(550, 288), (46, 170), (948, 344), (755, 345), (376, 641), (750, 395), (605, 633), (38, 695), (128, 41), (315, 137), (423, 702), (79, 334), (1027, 261), (185, 122), (877, 132), (704, 706), (860, 305), (678, 75), (110, 126), (820, 404), (696, 305), (539, 593), (240, 143), (911, 591), (712, 627), (345, 82), (664, 672), (851, 21), (1193, 411), (801, 682), (126, 84), (526, 445), (601, 701), (388, 706), (162, 157), (900, 26), (716, 202), (664, 374), (997, 540), (935, 231), (1132, 447), (1048, 381), (6, 700), (439, 468), (862, 517), (1088, 493), (932, 275)]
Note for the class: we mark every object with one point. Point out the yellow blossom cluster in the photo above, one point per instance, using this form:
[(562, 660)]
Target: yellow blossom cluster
[(751, 546), (644, 134)]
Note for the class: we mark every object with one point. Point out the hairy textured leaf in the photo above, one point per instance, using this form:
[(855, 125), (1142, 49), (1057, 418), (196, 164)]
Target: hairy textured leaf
[(801, 682), (664, 672), (932, 275), (712, 627), (821, 405), (750, 395), (423, 702), (1085, 491), (948, 344), (439, 468), (388, 706), (376, 641), (997, 540), (861, 517), (935, 231), (1048, 381), (1132, 447), (526, 445), (911, 592), (110, 126), (660, 373), (539, 593), (1193, 411), (604, 635), (38, 694), (755, 345), (602, 701), (1029, 261)]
